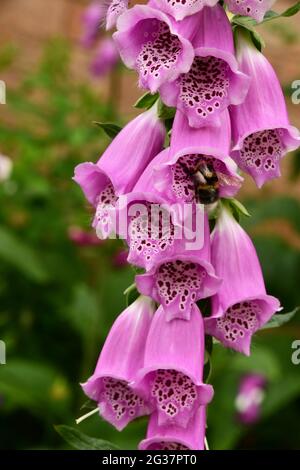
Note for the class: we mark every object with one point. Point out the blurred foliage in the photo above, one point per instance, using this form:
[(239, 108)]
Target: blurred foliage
[(59, 300)]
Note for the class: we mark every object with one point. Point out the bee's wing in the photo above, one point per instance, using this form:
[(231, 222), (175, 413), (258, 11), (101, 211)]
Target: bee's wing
[(228, 180)]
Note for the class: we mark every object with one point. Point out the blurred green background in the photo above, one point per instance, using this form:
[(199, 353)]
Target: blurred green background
[(59, 299)]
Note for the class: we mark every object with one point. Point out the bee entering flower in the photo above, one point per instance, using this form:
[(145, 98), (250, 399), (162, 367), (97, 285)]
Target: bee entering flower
[(202, 178), (198, 168)]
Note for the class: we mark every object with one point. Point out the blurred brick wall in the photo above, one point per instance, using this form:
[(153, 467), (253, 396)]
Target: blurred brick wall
[(29, 23)]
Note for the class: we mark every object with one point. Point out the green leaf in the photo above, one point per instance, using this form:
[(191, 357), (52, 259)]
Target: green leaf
[(270, 15), (21, 256), (280, 319), (165, 112), (146, 101), (291, 11), (109, 128), (81, 441), (247, 24), (236, 207)]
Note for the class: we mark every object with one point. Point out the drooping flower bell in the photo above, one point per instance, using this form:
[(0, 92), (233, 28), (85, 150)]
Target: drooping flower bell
[(115, 8), (92, 17), (155, 45), (214, 80), (250, 397), (172, 437), (106, 58), (120, 360), (171, 379), (261, 131), (179, 280), (254, 8), (179, 9), (198, 168), (120, 167), (153, 228), (241, 305)]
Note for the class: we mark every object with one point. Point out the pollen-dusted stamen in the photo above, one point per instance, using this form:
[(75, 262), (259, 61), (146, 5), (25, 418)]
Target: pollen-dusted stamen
[(239, 320), (205, 87), (262, 151), (160, 50)]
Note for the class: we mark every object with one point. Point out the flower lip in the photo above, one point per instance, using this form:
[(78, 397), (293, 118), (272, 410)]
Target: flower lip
[(83, 174), (180, 305), (145, 371), (130, 44), (265, 299), (288, 141), (97, 382), (292, 133), (230, 169)]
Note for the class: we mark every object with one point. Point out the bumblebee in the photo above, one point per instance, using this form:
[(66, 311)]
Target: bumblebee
[(206, 183)]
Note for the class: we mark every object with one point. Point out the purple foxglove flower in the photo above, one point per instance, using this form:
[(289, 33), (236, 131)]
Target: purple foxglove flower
[(254, 8), (214, 80), (182, 278), (241, 305), (175, 437), (261, 131), (106, 59), (92, 17), (120, 360), (250, 397), (114, 10), (155, 45), (171, 379), (120, 166), (179, 9), (191, 151)]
